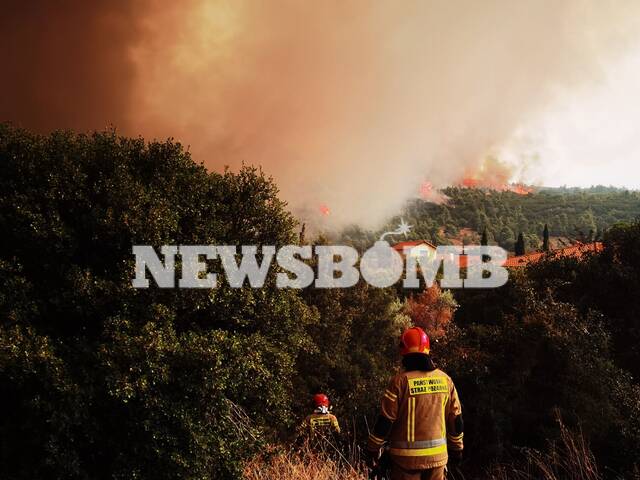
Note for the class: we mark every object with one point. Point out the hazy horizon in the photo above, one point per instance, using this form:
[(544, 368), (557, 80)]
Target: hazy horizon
[(350, 106)]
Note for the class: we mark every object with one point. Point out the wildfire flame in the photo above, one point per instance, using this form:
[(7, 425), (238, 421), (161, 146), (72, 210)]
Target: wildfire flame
[(470, 182), (493, 174), (324, 210), (426, 189), (518, 188)]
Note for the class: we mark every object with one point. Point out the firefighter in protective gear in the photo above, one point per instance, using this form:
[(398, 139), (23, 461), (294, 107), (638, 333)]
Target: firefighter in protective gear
[(321, 419), (420, 424)]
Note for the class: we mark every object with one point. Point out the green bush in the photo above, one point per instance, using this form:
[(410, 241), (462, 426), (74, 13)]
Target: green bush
[(529, 355), (102, 380), (356, 350)]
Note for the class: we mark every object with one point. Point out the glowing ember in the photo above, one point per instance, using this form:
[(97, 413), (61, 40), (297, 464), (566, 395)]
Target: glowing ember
[(470, 182), (324, 210), (520, 188), (425, 189)]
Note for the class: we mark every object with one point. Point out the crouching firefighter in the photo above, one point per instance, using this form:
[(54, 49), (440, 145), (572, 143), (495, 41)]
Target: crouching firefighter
[(321, 421), (420, 425)]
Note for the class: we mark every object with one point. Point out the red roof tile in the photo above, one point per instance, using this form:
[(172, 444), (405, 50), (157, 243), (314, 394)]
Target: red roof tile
[(399, 247), (576, 250)]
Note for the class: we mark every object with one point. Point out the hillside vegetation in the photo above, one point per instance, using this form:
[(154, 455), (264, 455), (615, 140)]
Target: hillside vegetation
[(572, 214), (102, 381)]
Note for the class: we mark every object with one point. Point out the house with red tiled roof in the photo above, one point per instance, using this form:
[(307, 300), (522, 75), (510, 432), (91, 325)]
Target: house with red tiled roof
[(577, 250), (415, 248)]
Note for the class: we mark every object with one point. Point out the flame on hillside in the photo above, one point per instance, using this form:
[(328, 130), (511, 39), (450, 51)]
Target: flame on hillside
[(492, 174), (518, 188)]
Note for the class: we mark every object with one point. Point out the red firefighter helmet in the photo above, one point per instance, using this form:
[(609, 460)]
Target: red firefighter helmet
[(321, 400), (414, 340)]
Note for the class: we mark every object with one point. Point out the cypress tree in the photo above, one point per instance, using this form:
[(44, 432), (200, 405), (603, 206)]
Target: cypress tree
[(302, 232), (519, 248), (484, 240), (545, 239)]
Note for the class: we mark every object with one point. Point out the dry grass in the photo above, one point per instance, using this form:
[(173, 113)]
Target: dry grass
[(305, 463), (570, 458)]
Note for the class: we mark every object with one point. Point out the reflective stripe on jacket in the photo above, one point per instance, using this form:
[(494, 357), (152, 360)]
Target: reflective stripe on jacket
[(322, 421)]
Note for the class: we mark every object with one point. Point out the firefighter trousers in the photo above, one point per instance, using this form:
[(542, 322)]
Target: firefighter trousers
[(399, 473)]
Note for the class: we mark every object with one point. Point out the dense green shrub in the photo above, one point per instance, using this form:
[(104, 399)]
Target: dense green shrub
[(519, 355), (102, 380), (608, 283), (356, 350)]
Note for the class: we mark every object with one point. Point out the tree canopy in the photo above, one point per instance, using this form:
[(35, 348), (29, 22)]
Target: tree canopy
[(102, 380)]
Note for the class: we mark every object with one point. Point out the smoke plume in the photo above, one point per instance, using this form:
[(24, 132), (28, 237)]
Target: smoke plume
[(349, 105), (66, 64)]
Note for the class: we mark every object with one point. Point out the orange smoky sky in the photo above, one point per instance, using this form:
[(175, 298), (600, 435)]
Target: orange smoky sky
[(348, 104), (66, 64)]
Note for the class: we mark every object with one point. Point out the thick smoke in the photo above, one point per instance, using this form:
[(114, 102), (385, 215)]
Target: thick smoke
[(66, 64), (351, 104)]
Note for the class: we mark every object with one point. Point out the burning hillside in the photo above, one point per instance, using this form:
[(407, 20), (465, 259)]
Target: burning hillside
[(352, 105), (493, 174), (519, 188)]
